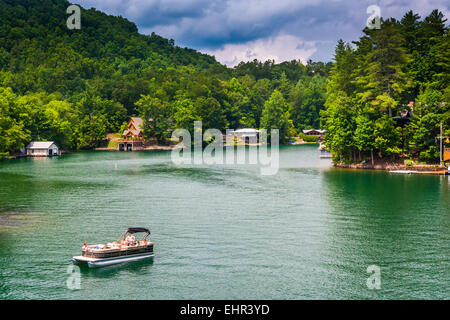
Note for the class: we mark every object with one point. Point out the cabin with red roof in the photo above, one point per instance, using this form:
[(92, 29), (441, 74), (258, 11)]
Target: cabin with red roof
[(133, 137)]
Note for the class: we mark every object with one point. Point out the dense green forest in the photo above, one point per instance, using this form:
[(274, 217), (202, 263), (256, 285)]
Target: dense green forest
[(404, 66), (75, 86)]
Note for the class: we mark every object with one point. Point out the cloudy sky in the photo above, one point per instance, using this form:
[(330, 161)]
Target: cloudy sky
[(237, 30)]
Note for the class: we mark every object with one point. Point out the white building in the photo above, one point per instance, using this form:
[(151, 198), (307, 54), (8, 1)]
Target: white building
[(247, 134), (42, 149)]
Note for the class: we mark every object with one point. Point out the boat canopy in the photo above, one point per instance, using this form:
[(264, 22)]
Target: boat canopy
[(137, 230)]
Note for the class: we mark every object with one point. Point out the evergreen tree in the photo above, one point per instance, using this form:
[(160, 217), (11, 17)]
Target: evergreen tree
[(339, 121), (410, 25), (276, 116), (384, 67)]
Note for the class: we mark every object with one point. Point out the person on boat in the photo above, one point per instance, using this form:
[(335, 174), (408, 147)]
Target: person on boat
[(130, 239)]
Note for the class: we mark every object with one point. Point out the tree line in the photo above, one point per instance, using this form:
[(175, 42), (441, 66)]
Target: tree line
[(401, 67), (75, 86)]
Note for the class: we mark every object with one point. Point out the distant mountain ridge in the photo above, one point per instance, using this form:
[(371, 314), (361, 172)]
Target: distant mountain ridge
[(41, 25)]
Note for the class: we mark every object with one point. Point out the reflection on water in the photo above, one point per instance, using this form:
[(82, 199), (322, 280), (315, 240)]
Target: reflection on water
[(224, 232), (392, 221)]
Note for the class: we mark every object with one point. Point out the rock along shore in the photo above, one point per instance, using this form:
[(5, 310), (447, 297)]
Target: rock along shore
[(416, 168)]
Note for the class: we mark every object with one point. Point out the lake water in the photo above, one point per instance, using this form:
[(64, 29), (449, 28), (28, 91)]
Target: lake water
[(223, 232)]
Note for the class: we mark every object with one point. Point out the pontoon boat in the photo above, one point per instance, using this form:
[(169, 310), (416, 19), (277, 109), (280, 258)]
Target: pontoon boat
[(125, 249)]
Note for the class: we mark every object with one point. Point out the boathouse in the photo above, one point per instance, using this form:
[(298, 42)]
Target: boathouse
[(133, 137), (42, 149)]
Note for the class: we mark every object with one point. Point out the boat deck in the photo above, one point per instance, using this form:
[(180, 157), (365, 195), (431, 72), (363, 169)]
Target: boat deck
[(85, 259)]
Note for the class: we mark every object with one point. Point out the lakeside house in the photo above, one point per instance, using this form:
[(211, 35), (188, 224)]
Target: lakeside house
[(246, 135), (405, 116), (133, 137), (314, 132), (320, 134), (42, 149)]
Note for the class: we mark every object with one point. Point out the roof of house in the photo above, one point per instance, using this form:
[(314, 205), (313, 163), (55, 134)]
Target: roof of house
[(316, 130), (40, 145), (247, 130), (133, 132), (138, 122)]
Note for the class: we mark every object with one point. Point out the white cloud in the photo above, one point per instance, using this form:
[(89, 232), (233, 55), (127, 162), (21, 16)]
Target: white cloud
[(279, 48)]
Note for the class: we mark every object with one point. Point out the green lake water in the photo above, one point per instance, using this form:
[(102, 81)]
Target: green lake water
[(223, 232)]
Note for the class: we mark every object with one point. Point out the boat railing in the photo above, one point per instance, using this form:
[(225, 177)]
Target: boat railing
[(117, 251)]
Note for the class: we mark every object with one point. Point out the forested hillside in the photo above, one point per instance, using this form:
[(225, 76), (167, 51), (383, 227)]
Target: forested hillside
[(75, 86), (402, 67)]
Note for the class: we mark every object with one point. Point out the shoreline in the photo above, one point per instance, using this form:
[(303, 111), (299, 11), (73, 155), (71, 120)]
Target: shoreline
[(150, 148), (430, 169)]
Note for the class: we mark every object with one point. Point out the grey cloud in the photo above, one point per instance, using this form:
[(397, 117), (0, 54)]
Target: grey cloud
[(211, 24)]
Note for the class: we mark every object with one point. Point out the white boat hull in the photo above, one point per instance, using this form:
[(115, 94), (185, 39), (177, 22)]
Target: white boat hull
[(96, 263)]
